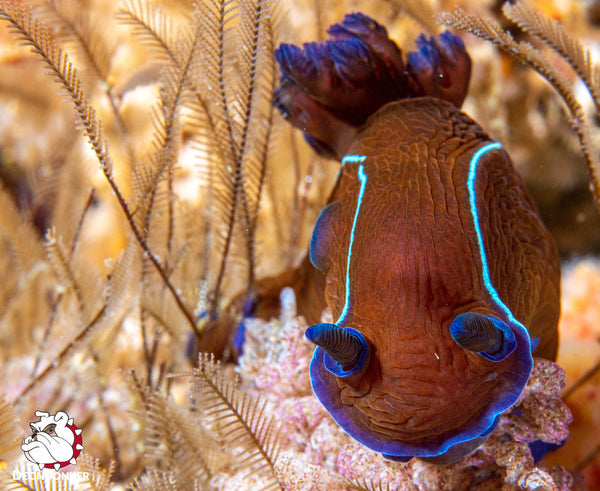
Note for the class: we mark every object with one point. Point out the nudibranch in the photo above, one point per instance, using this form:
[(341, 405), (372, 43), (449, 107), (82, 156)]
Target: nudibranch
[(439, 272)]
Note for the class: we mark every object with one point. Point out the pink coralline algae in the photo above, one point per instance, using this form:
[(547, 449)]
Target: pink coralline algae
[(317, 454)]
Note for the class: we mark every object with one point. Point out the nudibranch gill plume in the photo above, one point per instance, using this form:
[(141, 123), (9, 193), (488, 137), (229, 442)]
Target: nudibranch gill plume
[(439, 272)]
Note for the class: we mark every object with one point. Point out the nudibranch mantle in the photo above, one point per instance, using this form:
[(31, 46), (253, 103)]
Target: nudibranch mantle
[(321, 382), (485, 272), (437, 266), (362, 177)]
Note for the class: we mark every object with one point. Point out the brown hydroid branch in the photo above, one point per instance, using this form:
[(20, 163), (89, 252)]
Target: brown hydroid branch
[(245, 423), (554, 35), (490, 30), (34, 34)]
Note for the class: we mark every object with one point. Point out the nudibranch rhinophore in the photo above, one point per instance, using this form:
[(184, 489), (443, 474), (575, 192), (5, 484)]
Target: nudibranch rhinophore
[(439, 272)]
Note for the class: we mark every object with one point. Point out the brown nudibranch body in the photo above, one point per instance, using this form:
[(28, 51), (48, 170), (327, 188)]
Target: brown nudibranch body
[(439, 272)]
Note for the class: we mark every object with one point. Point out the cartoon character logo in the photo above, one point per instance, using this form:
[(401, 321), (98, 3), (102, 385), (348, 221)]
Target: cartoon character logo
[(56, 442)]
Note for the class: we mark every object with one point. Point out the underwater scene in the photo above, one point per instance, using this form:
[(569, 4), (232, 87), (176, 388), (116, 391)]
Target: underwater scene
[(300, 245)]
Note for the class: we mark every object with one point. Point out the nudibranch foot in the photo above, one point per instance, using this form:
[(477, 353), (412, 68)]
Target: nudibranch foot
[(460, 450), (455, 453), (328, 89), (240, 334)]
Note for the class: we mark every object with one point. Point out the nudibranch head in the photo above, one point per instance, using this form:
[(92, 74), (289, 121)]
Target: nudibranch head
[(449, 429), (439, 271)]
